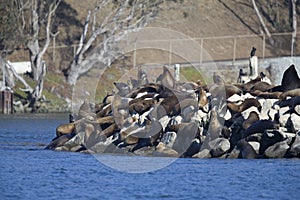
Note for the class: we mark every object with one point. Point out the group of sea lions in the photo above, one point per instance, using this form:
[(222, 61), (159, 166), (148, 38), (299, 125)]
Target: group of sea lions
[(175, 119)]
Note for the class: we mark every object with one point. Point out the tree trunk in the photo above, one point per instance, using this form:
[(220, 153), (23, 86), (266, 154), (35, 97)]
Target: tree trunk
[(294, 26), (124, 17), (262, 23)]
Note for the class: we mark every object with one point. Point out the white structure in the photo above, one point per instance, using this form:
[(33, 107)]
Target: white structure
[(177, 72), (21, 67), (254, 66)]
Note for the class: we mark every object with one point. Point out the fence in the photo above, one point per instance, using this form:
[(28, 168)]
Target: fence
[(218, 48)]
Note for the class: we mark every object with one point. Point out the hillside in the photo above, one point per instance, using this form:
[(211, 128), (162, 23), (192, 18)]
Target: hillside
[(226, 28)]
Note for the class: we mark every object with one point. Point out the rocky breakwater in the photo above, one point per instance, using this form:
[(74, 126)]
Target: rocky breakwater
[(169, 118)]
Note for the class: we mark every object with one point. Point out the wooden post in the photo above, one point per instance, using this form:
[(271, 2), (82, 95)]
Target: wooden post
[(134, 55), (264, 46), (170, 53), (201, 50), (6, 100), (234, 49)]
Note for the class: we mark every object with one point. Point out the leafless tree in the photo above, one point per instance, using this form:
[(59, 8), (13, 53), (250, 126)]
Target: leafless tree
[(36, 50), (33, 16), (266, 30), (124, 16)]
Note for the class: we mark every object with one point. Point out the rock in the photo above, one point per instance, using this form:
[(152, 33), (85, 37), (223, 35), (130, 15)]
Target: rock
[(295, 148), (269, 138), (205, 153), (255, 146), (77, 148), (101, 147), (77, 140), (169, 138), (283, 118), (162, 150), (219, 147), (296, 121), (61, 148), (278, 150)]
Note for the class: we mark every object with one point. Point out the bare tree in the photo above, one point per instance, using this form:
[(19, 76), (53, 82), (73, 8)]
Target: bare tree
[(267, 32), (33, 16), (294, 25), (123, 17), (35, 49)]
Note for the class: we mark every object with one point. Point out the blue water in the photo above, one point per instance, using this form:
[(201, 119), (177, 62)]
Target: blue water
[(29, 172)]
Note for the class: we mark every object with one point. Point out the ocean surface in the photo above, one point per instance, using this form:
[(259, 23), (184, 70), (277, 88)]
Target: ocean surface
[(27, 171)]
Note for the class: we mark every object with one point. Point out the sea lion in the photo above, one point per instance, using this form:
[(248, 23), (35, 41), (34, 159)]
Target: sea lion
[(253, 117), (163, 150), (261, 86), (167, 79), (148, 88), (290, 93), (290, 80), (143, 97), (59, 141), (202, 99), (218, 79), (231, 90), (266, 95), (65, 129), (123, 88), (141, 106), (247, 103), (247, 86), (261, 125), (105, 111), (247, 151)]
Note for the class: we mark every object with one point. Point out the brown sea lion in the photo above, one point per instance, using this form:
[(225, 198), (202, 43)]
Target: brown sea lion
[(247, 151), (141, 106), (266, 95), (163, 150), (253, 117), (231, 90), (247, 86), (65, 129), (290, 93), (105, 111), (202, 98), (145, 96), (149, 88), (261, 86), (247, 103)]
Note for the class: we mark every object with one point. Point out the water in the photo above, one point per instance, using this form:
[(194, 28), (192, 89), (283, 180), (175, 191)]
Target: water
[(29, 172)]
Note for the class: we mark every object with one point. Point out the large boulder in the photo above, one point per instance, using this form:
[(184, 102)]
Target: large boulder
[(205, 153), (295, 148), (278, 150), (219, 147)]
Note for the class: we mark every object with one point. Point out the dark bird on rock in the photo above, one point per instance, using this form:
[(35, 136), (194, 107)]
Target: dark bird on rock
[(123, 88)]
